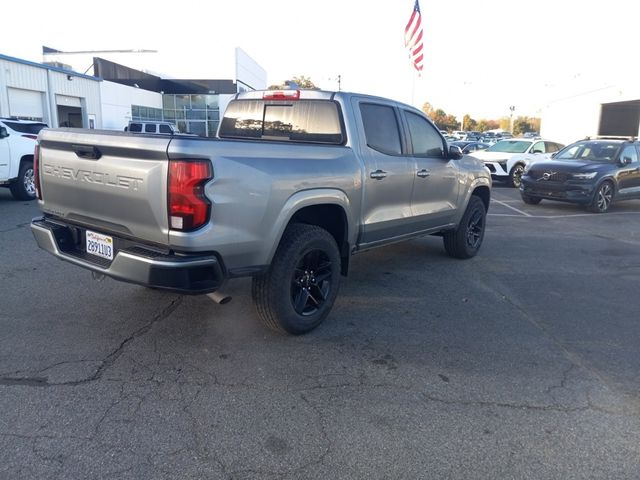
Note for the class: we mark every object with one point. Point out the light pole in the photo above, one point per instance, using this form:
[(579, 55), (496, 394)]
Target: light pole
[(513, 109)]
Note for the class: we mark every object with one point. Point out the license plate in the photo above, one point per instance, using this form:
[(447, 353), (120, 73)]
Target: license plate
[(99, 245)]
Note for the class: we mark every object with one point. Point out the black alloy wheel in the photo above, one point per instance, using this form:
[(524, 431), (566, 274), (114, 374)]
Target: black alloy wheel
[(311, 282), (297, 292), (475, 230), (466, 240)]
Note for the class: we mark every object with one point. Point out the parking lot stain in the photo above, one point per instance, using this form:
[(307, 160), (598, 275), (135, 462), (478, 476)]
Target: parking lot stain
[(25, 382)]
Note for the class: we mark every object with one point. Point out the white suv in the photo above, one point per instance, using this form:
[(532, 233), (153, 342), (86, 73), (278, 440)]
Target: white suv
[(17, 143), (506, 159)]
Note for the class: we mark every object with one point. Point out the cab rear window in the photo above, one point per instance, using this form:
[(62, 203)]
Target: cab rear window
[(306, 121)]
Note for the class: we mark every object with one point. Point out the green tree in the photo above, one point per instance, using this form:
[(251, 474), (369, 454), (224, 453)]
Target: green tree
[(525, 124), (305, 83)]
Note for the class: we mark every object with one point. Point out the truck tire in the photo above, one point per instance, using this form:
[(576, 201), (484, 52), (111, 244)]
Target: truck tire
[(24, 188), (299, 289), (465, 241)]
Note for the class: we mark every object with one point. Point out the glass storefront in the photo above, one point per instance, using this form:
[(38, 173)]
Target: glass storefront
[(198, 114)]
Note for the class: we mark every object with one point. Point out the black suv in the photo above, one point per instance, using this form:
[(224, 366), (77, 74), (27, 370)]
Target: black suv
[(588, 172)]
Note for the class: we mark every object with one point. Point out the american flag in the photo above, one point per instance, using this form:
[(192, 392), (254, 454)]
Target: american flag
[(413, 38)]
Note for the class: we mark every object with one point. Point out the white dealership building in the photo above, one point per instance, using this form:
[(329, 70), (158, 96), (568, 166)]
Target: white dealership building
[(111, 94)]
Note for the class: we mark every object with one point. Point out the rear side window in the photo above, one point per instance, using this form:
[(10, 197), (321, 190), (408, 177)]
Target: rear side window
[(150, 128), (135, 127), (308, 121), (381, 128)]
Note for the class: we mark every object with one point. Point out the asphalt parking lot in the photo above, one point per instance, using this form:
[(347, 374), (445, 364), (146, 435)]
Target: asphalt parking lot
[(520, 363)]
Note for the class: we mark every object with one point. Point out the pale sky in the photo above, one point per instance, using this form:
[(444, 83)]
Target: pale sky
[(481, 57)]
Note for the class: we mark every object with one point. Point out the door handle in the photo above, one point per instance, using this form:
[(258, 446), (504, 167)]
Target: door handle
[(378, 174), (424, 173)]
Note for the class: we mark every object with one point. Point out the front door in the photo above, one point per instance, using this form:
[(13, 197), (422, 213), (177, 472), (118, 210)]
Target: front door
[(434, 198), (629, 173)]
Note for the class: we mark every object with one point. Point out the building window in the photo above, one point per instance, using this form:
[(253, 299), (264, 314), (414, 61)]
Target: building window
[(140, 113), (197, 114)]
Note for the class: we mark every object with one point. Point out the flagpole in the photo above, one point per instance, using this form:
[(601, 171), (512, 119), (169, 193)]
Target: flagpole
[(413, 90)]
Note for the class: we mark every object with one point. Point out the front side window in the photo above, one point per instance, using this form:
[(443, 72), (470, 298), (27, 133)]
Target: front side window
[(381, 128), (165, 129), (424, 137), (631, 153)]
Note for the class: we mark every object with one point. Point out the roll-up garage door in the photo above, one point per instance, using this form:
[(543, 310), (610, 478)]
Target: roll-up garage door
[(25, 103), (66, 101)]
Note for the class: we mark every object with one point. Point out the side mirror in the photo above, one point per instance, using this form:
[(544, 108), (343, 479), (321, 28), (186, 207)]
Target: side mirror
[(626, 160), (455, 153), (3, 132), (553, 155)]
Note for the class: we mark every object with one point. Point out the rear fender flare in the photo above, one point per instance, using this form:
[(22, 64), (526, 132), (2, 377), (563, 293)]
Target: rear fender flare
[(300, 200)]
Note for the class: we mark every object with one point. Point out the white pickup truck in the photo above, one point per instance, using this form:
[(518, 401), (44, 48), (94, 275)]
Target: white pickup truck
[(297, 182), (17, 143)]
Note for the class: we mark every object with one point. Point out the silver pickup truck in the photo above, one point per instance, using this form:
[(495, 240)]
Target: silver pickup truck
[(295, 183)]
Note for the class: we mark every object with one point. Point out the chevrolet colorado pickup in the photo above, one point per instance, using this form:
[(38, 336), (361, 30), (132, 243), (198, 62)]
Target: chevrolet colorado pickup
[(296, 182)]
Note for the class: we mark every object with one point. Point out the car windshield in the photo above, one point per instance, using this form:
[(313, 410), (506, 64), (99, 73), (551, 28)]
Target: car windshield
[(31, 128), (509, 146), (590, 151)]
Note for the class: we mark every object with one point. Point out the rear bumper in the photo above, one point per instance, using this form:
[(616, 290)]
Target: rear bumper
[(184, 273)]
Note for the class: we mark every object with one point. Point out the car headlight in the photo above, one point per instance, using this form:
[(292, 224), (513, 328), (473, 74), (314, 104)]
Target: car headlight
[(584, 176)]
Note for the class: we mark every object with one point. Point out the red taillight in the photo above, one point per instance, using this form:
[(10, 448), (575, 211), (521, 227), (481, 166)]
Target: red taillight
[(281, 95), (36, 171), (189, 209), (32, 137)]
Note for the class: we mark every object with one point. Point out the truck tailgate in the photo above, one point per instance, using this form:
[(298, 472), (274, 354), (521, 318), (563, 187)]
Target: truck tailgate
[(108, 181)]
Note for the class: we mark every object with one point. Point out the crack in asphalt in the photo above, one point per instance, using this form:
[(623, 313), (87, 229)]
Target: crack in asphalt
[(574, 358), (105, 363)]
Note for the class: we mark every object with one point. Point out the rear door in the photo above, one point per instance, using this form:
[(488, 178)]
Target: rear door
[(109, 182), (388, 176)]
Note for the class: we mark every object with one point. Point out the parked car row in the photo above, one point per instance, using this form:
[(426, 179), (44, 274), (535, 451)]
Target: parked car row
[(594, 173), (591, 172)]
